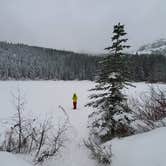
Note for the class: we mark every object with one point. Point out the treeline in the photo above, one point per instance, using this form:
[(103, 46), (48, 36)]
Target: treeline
[(19, 61), (147, 67)]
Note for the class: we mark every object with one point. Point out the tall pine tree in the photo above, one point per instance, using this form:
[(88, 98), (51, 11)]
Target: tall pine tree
[(111, 117)]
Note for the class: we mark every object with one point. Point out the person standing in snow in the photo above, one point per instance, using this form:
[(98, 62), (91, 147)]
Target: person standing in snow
[(75, 98)]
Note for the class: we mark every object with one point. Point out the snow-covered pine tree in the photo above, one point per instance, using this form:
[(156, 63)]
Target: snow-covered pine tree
[(112, 115)]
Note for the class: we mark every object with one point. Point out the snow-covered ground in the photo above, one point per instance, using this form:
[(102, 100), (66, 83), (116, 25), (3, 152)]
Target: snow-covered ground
[(43, 99), (7, 159), (146, 149)]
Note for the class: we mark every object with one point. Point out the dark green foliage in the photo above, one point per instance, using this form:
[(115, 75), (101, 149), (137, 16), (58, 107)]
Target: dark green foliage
[(111, 118)]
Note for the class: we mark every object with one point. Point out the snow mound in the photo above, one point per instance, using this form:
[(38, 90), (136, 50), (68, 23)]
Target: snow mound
[(146, 149), (7, 159)]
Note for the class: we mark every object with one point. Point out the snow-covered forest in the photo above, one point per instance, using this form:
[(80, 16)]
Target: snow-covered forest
[(19, 61)]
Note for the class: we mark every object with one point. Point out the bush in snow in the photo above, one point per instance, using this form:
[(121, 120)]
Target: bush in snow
[(50, 140), (20, 130), (112, 115), (150, 110), (99, 152), (29, 136)]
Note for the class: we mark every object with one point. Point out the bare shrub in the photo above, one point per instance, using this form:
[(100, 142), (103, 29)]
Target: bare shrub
[(50, 141), (99, 152), (150, 109), (30, 136), (18, 135)]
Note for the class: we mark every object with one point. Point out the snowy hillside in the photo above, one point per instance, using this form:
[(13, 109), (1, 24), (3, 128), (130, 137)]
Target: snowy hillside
[(146, 149), (158, 46), (43, 63), (43, 99)]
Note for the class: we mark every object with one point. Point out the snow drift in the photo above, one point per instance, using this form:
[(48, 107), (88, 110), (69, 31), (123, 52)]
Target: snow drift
[(146, 149), (8, 159)]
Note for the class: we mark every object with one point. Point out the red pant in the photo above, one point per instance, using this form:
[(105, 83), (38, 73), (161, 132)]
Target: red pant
[(74, 105)]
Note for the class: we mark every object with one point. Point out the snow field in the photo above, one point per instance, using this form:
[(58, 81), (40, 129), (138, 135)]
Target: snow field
[(147, 149), (43, 99), (7, 159)]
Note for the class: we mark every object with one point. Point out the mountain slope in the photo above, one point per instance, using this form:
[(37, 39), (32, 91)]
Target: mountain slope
[(158, 46)]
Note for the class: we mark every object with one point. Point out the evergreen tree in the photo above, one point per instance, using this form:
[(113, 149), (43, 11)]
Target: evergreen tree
[(112, 116)]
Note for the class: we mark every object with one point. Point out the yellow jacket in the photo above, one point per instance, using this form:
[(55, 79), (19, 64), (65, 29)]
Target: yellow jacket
[(75, 98)]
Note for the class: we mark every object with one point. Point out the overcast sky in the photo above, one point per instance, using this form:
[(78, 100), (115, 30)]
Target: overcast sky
[(80, 25)]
